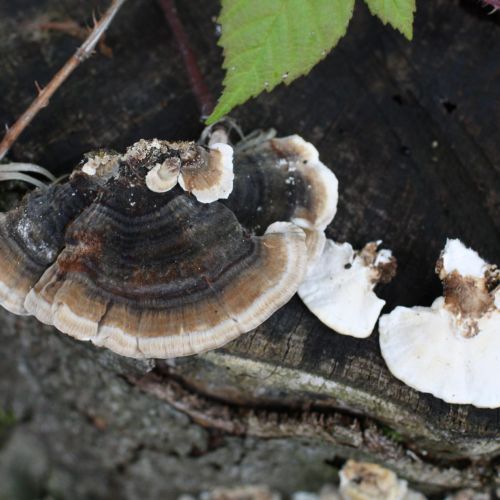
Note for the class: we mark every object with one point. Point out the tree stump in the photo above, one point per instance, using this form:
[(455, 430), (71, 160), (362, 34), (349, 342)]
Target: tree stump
[(410, 130)]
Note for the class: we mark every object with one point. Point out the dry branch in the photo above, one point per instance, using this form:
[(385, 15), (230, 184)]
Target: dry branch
[(44, 95)]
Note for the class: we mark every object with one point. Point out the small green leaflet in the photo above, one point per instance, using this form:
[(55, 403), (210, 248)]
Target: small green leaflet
[(268, 42), (398, 13)]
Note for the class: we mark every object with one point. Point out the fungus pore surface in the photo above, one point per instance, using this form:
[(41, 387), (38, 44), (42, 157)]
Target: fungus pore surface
[(451, 349), (338, 287)]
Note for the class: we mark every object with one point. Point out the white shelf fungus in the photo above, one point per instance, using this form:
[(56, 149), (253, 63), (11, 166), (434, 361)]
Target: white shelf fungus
[(338, 288), (451, 349)]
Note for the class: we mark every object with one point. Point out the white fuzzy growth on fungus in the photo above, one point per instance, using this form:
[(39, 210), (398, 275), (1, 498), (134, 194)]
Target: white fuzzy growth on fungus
[(100, 163)]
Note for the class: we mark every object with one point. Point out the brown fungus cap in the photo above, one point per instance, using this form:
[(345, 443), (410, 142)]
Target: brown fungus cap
[(32, 235), (148, 274), (211, 179), (282, 179), (206, 173)]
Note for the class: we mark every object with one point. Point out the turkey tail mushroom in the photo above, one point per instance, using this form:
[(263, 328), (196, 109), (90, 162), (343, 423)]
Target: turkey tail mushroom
[(146, 274)]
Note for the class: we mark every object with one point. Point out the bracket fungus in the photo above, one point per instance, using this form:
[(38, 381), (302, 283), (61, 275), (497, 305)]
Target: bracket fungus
[(208, 175), (146, 274), (135, 252), (32, 235), (451, 349), (338, 288), (282, 179)]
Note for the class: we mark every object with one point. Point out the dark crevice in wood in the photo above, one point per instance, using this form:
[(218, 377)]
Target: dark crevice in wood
[(449, 106)]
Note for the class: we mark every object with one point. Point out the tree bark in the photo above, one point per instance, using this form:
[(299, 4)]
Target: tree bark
[(411, 131)]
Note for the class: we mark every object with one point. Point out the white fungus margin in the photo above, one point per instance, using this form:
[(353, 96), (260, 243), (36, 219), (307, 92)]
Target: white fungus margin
[(451, 349), (338, 288)]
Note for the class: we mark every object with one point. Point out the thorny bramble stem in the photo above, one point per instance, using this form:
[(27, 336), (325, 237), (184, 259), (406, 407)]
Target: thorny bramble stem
[(42, 100), (73, 29), (200, 89)]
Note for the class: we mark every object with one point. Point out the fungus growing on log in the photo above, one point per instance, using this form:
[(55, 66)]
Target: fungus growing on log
[(451, 349), (282, 179), (338, 288), (32, 235), (213, 182), (208, 175), (146, 274), (123, 256)]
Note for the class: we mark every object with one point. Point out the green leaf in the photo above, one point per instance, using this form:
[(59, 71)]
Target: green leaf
[(398, 13), (267, 42)]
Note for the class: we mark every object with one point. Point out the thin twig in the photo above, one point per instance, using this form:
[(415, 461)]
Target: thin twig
[(72, 28), (200, 89), (42, 100)]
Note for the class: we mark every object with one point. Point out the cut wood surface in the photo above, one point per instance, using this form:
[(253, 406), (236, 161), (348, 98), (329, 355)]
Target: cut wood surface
[(410, 130)]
